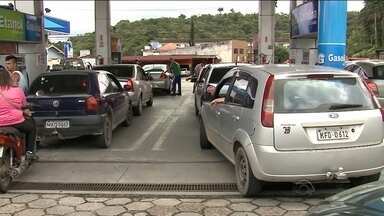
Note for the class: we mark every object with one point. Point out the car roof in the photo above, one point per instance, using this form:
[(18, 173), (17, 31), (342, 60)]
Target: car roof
[(290, 69), (226, 65), (375, 62), (113, 65), (73, 72)]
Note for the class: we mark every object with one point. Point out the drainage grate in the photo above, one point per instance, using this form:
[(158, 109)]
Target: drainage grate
[(224, 187)]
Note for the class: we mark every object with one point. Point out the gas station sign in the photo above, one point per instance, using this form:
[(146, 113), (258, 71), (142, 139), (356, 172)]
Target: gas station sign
[(12, 26)]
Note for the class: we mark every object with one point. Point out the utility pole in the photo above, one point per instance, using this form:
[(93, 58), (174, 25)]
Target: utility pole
[(192, 36)]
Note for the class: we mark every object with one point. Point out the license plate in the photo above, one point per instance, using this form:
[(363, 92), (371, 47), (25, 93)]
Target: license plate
[(333, 133), (57, 124), (1, 151)]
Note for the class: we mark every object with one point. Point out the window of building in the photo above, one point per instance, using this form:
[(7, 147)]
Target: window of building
[(241, 51), (235, 51)]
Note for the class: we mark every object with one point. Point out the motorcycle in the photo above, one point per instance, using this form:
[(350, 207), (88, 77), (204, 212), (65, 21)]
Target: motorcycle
[(13, 160)]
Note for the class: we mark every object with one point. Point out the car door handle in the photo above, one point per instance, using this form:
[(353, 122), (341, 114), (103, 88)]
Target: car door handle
[(236, 118)]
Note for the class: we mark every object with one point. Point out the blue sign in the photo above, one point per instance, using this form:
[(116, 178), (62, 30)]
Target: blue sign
[(32, 28), (57, 25), (332, 34), (304, 20)]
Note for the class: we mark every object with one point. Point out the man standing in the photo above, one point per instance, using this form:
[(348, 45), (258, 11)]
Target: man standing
[(176, 71), (18, 78), (197, 70)]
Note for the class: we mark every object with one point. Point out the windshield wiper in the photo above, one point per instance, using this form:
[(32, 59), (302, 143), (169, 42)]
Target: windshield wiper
[(344, 106)]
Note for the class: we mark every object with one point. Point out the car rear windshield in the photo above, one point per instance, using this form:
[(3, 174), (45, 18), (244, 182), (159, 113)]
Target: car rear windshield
[(60, 85), (126, 71), (155, 74), (378, 72), (321, 95), (218, 73)]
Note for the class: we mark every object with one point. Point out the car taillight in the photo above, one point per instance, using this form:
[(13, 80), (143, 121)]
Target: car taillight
[(268, 101), (163, 76), (130, 85), (373, 90), (382, 113), (372, 87), (92, 104)]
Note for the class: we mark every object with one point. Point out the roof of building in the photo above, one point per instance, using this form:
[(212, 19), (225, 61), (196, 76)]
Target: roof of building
[(156, 59), (56, 49), (168, 47)]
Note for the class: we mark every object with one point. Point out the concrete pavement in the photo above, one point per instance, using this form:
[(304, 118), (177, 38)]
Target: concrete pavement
[(162, 146)]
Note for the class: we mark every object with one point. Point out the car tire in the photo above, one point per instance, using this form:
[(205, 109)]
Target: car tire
[(246, 182), (196, 109), (364, 179), (5, 179), (204, 142), (150, 102), (138, 110), (129, 117), (105, 140)]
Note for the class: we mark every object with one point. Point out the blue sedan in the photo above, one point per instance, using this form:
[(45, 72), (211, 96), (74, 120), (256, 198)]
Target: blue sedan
[(70, 104)]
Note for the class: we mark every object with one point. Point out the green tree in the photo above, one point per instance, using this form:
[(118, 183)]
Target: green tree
[(281, 54)]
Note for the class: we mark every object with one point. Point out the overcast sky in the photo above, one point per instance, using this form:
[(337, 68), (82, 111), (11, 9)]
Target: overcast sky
[(81, 13)]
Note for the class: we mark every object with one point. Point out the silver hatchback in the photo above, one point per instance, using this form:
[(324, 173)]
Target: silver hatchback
[(289, 123)]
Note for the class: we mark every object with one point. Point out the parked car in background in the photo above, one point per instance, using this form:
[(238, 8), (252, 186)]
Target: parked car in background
[(372, 71), (287, 123), (73, 64), (133, 78), (70, 104), (160, 79), (185, 72), (208, 79), (364, 200)]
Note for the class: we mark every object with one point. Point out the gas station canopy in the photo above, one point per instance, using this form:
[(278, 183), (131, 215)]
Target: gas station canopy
[(55, 26)]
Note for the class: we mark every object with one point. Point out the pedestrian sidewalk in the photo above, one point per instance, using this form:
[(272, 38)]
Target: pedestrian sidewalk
[(14, 204)]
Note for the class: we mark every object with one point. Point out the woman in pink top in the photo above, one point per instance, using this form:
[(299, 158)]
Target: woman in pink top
[(12, 101)]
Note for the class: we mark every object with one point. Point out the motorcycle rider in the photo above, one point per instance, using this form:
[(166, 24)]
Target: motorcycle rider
[(12, 112)]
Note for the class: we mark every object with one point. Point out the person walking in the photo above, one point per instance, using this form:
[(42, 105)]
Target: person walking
[(176, 71)]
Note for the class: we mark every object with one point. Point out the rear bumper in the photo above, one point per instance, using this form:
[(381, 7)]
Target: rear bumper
[(268, 164), (160, 85), (79, 126)]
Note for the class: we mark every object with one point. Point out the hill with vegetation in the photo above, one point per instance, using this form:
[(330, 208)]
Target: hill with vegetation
[(135, 35)]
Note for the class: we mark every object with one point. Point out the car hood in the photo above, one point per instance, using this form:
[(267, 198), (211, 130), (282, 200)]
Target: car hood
[(340, 204)]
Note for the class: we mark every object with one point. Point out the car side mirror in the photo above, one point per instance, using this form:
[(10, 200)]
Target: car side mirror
[(193, 79)]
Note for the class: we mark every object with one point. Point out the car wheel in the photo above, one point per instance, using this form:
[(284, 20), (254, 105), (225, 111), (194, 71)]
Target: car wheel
[(105, 140), (138, 110), (246, 182), (364, 179), (129, 117), (150, 102), (204, 142)]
